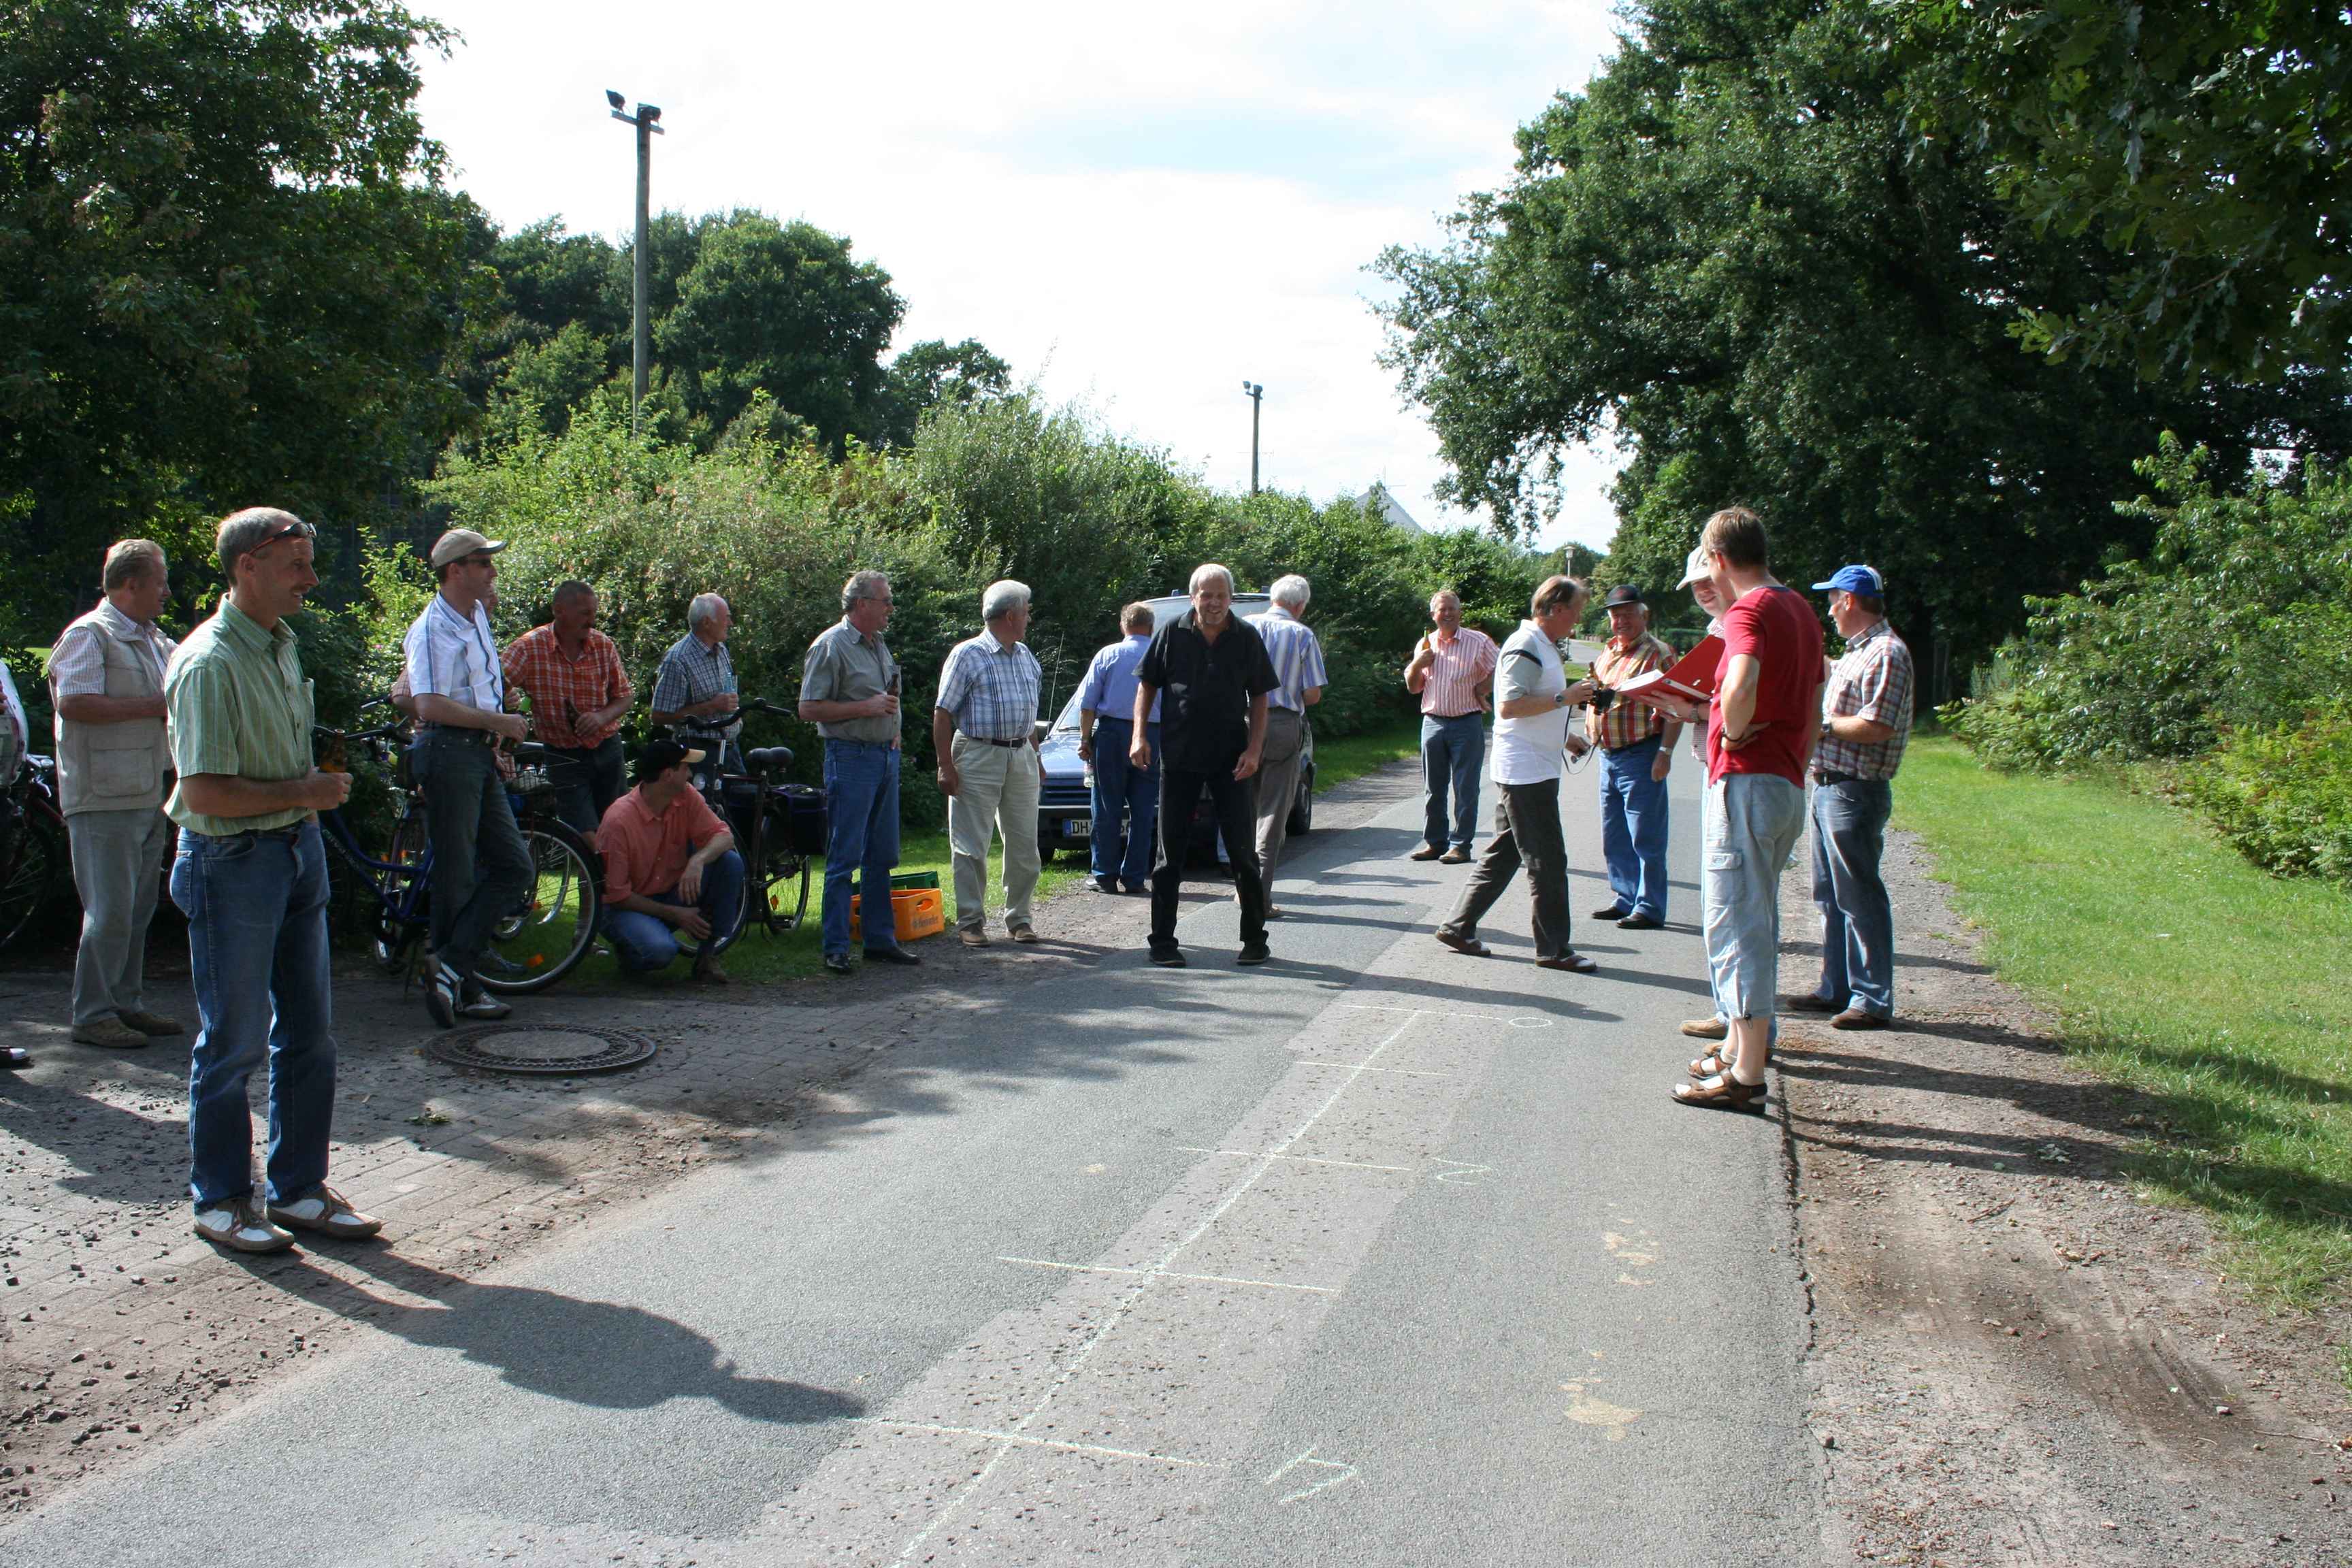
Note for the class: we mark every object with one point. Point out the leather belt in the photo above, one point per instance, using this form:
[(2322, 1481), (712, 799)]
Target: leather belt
[(988, 741)]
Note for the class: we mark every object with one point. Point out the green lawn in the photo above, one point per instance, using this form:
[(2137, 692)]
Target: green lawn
[(1337, 761), (2216, 990)]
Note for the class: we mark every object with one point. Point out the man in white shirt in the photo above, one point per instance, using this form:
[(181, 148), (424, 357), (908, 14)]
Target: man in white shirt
[(480, 868), (1533, 697), (106, 683)]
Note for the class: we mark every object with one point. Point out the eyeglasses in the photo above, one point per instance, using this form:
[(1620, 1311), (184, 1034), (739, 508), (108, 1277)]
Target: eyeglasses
[(475, 560), (293, 527)]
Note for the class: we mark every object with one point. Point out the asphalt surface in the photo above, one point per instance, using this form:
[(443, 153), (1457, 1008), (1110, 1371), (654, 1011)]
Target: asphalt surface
[(1377, 1255)]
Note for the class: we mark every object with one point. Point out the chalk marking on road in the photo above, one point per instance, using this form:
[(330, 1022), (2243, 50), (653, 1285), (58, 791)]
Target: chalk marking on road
[(1347, 1473), (1399, 1072), (1462, 1175), (1515, 1020), (1587, 1411), (1043, 1443), (1168, 1274), (1302, 1159), (1118, 1315)]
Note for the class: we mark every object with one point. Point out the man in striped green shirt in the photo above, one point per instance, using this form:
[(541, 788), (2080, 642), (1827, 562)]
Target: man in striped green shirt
[(251, 877)]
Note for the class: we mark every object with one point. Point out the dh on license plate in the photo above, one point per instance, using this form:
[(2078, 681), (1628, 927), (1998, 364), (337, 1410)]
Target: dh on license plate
[(1078, 827)]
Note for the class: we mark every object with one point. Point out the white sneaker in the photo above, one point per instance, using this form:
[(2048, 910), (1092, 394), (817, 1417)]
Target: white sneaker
[(242, 1227)]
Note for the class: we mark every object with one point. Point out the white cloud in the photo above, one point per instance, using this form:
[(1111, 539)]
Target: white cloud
[(1139, 207)]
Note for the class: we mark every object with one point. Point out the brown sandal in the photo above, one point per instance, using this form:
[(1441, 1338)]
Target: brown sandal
[(1710, 1064), (1722, 1092)]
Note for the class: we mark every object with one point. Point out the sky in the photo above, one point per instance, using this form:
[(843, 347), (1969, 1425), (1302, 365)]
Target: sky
[(1139, 209)]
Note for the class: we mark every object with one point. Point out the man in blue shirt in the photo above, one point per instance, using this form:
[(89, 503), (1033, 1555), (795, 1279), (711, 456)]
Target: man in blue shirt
[(1121, 788), (984, 728)]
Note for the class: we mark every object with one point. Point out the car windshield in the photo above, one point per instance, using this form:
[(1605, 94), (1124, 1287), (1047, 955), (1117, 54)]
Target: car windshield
[(1163, 611)]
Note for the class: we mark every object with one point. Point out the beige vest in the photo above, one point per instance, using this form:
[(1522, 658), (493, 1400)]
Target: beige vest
[(114, 767)]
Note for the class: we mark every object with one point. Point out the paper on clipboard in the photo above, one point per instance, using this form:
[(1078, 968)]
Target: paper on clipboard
[(1692, 678)]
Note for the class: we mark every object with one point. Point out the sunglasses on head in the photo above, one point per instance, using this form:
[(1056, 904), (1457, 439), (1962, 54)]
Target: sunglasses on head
[(293, 529)]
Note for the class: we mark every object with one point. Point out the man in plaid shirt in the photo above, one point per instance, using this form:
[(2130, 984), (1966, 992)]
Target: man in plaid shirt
[(983, 725), (1637, 750), (578, 695), (1865, 722)]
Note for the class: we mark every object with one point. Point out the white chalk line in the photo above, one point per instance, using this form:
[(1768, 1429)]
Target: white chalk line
[(1399, 1072), (1118, 1313), (1301, 1159), (1043, 1443), (1169, 1274)]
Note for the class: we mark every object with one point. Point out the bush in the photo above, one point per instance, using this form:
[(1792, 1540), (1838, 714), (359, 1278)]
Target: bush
[(2283, 796)]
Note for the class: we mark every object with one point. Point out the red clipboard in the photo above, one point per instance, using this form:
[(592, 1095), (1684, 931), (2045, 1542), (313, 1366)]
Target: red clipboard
[(1692, 678)]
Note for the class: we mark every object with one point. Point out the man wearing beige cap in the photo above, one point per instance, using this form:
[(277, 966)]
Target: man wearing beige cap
[(480, 868)]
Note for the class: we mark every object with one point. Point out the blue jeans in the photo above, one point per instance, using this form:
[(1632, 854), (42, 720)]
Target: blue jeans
[(1451, 750), (1633, 828), (861, 803), (1753, 820), (644, 942), (257, 909), (1857, 918), (1122, 786)]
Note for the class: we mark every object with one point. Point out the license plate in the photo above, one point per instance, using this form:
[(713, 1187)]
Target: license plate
[(1078, 827)]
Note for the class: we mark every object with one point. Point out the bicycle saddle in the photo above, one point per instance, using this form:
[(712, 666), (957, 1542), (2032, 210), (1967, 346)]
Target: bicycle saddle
[(768, 759)]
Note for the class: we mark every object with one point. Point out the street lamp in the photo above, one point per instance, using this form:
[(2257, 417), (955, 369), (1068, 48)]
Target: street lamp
[(647, 119), (1257, 407)]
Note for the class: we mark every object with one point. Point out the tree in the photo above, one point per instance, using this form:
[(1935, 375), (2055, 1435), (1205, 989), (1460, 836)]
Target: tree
[(785, 309), (933, 371), (2202, 144), (1732, 250), (231, 273)]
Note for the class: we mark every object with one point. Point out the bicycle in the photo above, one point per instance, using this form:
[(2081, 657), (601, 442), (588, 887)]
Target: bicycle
[(34, 858), (780, 828), (534, 945)]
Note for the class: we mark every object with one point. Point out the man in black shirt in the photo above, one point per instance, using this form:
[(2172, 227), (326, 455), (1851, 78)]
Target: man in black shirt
[(1210, 669)]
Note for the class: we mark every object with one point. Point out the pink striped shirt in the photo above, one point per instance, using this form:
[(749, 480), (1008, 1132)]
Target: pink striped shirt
[(1453, 681)]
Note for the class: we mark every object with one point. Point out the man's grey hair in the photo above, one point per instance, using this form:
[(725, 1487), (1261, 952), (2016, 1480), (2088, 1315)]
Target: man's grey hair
[(1001, 598), (1291, 592), (1206, 572), (862, 584), (129, 560), (704, 610), (572, 588), (240, 531)]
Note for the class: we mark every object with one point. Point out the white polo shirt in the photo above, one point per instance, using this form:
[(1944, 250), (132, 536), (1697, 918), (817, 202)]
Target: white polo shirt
[(451, 656), (1528, 751)]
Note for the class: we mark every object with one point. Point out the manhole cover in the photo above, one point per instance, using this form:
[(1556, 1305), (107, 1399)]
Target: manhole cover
[(558, 1052)]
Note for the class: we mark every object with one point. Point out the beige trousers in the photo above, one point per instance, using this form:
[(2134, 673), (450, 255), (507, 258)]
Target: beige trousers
[(999, 791)]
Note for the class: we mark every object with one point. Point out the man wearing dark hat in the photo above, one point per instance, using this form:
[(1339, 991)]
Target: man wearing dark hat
[(672, 878), (1865, 724), (480, 868), (1637, 752)]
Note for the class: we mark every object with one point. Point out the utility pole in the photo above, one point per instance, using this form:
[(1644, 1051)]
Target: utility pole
[(1257, 407), (647, 119)]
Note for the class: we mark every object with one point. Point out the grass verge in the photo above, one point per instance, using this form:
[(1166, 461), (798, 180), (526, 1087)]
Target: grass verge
[(1337, 761), (2214, 989)]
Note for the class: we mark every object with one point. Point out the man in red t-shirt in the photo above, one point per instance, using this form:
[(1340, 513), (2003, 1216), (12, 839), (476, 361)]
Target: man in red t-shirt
[(1760, 732), (672, 878)]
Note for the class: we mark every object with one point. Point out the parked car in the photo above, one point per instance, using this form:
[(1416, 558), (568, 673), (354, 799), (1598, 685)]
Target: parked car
[(1066, 800)]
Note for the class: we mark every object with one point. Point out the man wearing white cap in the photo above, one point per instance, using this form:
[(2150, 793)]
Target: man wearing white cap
[(1865, 724), (480, 868)]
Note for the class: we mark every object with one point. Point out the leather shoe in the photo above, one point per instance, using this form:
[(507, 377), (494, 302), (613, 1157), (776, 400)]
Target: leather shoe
[(1105, 885), (1614, 912), (840, 964), (1706, 1028), (1023, 934), (1457, 856), (1168, 957), (1255, 953), (1855, 1018), (1574, 962), (1426, 852), (108, 1033), (1134, 888), (891, 954), (1640, 922), (1811, 1003), (151, 1023), (971, 936)]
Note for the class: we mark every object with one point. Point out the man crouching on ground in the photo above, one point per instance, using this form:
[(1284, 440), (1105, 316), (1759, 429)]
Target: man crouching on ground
[(672, 878)]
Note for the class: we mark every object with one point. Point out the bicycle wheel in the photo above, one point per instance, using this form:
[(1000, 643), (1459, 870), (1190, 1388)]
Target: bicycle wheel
[(34, 863), (786, 883), (397, 940), (550, 931)]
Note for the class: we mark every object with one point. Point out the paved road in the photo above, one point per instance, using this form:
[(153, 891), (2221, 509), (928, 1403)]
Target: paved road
[(1376, 1256)]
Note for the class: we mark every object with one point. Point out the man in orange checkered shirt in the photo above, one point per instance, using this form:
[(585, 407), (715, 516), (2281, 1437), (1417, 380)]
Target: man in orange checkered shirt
[(1637, 752), (578, 695)]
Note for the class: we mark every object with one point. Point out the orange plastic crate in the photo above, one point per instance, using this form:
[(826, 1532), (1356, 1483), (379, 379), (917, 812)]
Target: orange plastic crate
[(918, 913)]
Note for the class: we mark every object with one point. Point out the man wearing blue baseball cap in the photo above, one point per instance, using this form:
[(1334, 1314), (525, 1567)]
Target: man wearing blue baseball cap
[(1865, 723)]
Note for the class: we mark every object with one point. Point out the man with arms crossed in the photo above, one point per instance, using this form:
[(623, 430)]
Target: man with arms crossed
[(850, 690), (1121, 792), (251, 877), (1213, 667), (1865, 724), (1452, 670), (106, 676), (1532, 700), (578, 695), (984, 729), (1760, 732), (480, 868), (1297, 657)]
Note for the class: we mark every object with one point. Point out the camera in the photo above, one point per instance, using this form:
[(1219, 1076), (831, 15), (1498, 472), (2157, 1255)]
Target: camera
[(1602, 695)]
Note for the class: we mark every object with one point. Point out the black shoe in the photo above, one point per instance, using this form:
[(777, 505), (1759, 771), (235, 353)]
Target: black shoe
[(1168, 957), (1255, 953), (1105, 885), (1135, 887), (1640, 922), (840, 964), (441, 995), (891, 954), (1574, 962), (1426, 852), (1614, 912)]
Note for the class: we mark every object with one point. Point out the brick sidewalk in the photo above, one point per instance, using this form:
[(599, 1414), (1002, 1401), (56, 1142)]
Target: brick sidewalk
[(118, 1326)]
